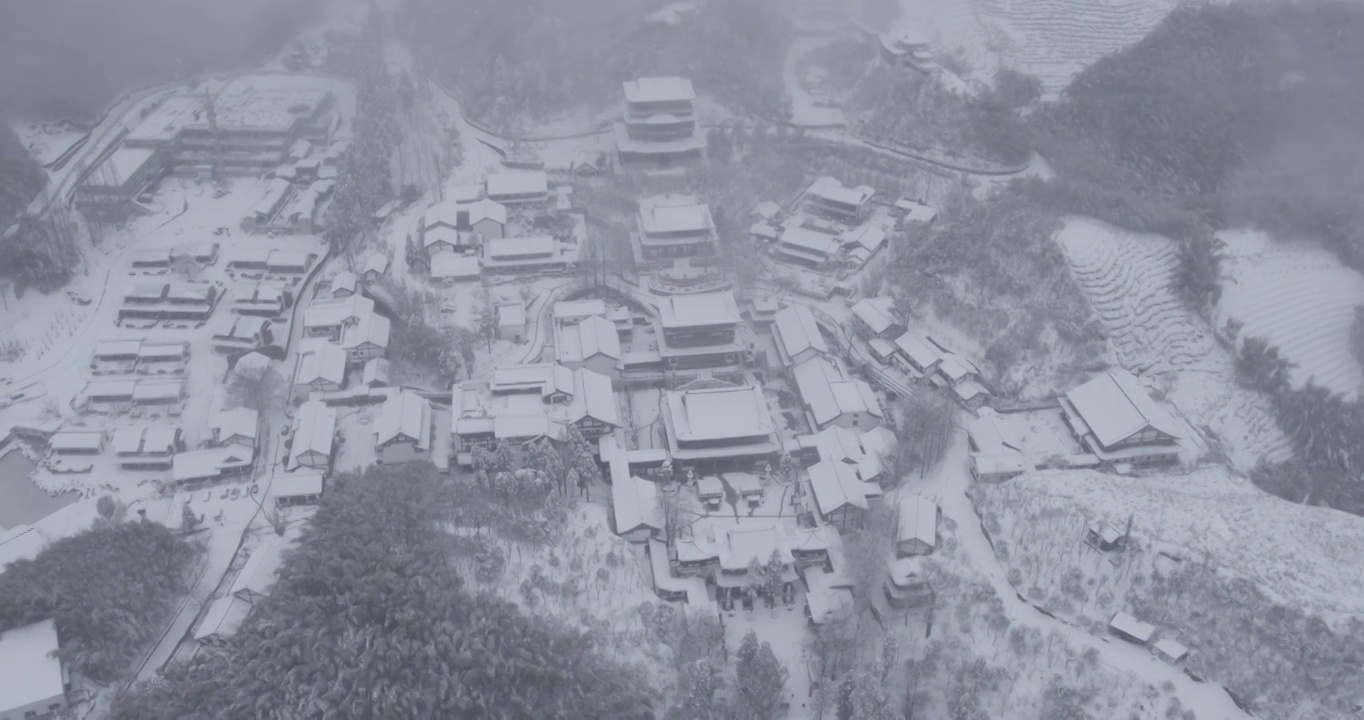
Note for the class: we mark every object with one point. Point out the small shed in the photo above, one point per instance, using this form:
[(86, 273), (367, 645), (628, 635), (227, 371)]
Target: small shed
[(511, 321)]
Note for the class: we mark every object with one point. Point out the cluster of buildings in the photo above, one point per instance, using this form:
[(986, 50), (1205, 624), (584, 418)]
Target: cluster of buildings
[(246, 126), (834, 227), (923, 358), (472, 231), (295, 199)]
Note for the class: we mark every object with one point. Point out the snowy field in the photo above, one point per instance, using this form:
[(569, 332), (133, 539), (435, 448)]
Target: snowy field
[(48, 141), (1300, 298), (1126, 277), (1210, 561)]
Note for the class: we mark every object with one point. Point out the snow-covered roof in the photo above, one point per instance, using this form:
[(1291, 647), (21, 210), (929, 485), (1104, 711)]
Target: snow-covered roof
[(877, 313), (486, 209), (990, 435), (442, 235), (766, 210), (836, 485), (869, 236), (578, 309), (139, 440), (668, 214), (830, 189), (376, 263), (209, 463), (371, 328), (517, 184), (659, 89), (635, 504), (345, 281), (698, 310), (763, 230), (918, 350), (520, 426), (29, 669), (916, 211), (1171, 650), (300, 484), (1011, 463), (519, 247), (810, 241), (314, 431), (918, 520), (797, 331), (1115, 407), (545, 378), (444, 213), (453, 266), (719, 414), (320, 360), (332, 312), (828, 394), (1132, 627), (825, 601), (241, 421), (117, 348), (593, 397), (77, 440), (110, 388), (955, 367), (594, 335), (154, 391), (742, 545), (405, 415), (375, 372)]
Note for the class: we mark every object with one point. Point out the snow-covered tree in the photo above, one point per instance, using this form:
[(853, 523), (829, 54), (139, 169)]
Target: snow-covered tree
[(760, 681)]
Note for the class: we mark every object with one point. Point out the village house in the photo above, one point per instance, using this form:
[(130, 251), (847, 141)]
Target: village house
[(519, 187), (659, 123), (153, 395), (1131, 629), (238, 426), (375, 373), (366, 339), (33, 679), (830, 198), (344, 284), (807, 246), (917, 528), (319, 367), (719, 427), (862, 242), (212, 464), (831, 398), (531, 254), (403, 432), (242, 334), (911, 212), (635, 513), (867, 451), (875, 317), (906, 585), (699, 331), (264, 299), (522, 403), (327, 318), (919, 354), (374, 268), (146, 448), (313, 437), (301, 488), (65, 443), (1116, 419), (591, 342), (841, 497)]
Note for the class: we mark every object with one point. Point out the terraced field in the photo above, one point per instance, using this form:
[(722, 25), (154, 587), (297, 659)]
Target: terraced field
[(1300, 298), (1054, 39), (1126, 278)]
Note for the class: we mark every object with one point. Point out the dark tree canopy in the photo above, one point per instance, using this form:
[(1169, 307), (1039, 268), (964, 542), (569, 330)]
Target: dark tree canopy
[(110, 590), (368, 619)]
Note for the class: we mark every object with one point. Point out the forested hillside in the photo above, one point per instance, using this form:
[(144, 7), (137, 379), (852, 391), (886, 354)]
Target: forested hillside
[(1223, 115), (20, 177), (369, 619), (513, 62)]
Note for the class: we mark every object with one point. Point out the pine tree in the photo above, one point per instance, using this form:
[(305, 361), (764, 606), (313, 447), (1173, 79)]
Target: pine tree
[(760, 681)]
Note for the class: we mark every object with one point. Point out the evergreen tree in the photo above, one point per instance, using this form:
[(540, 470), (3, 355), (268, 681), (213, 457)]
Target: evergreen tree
[(760, 684)]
